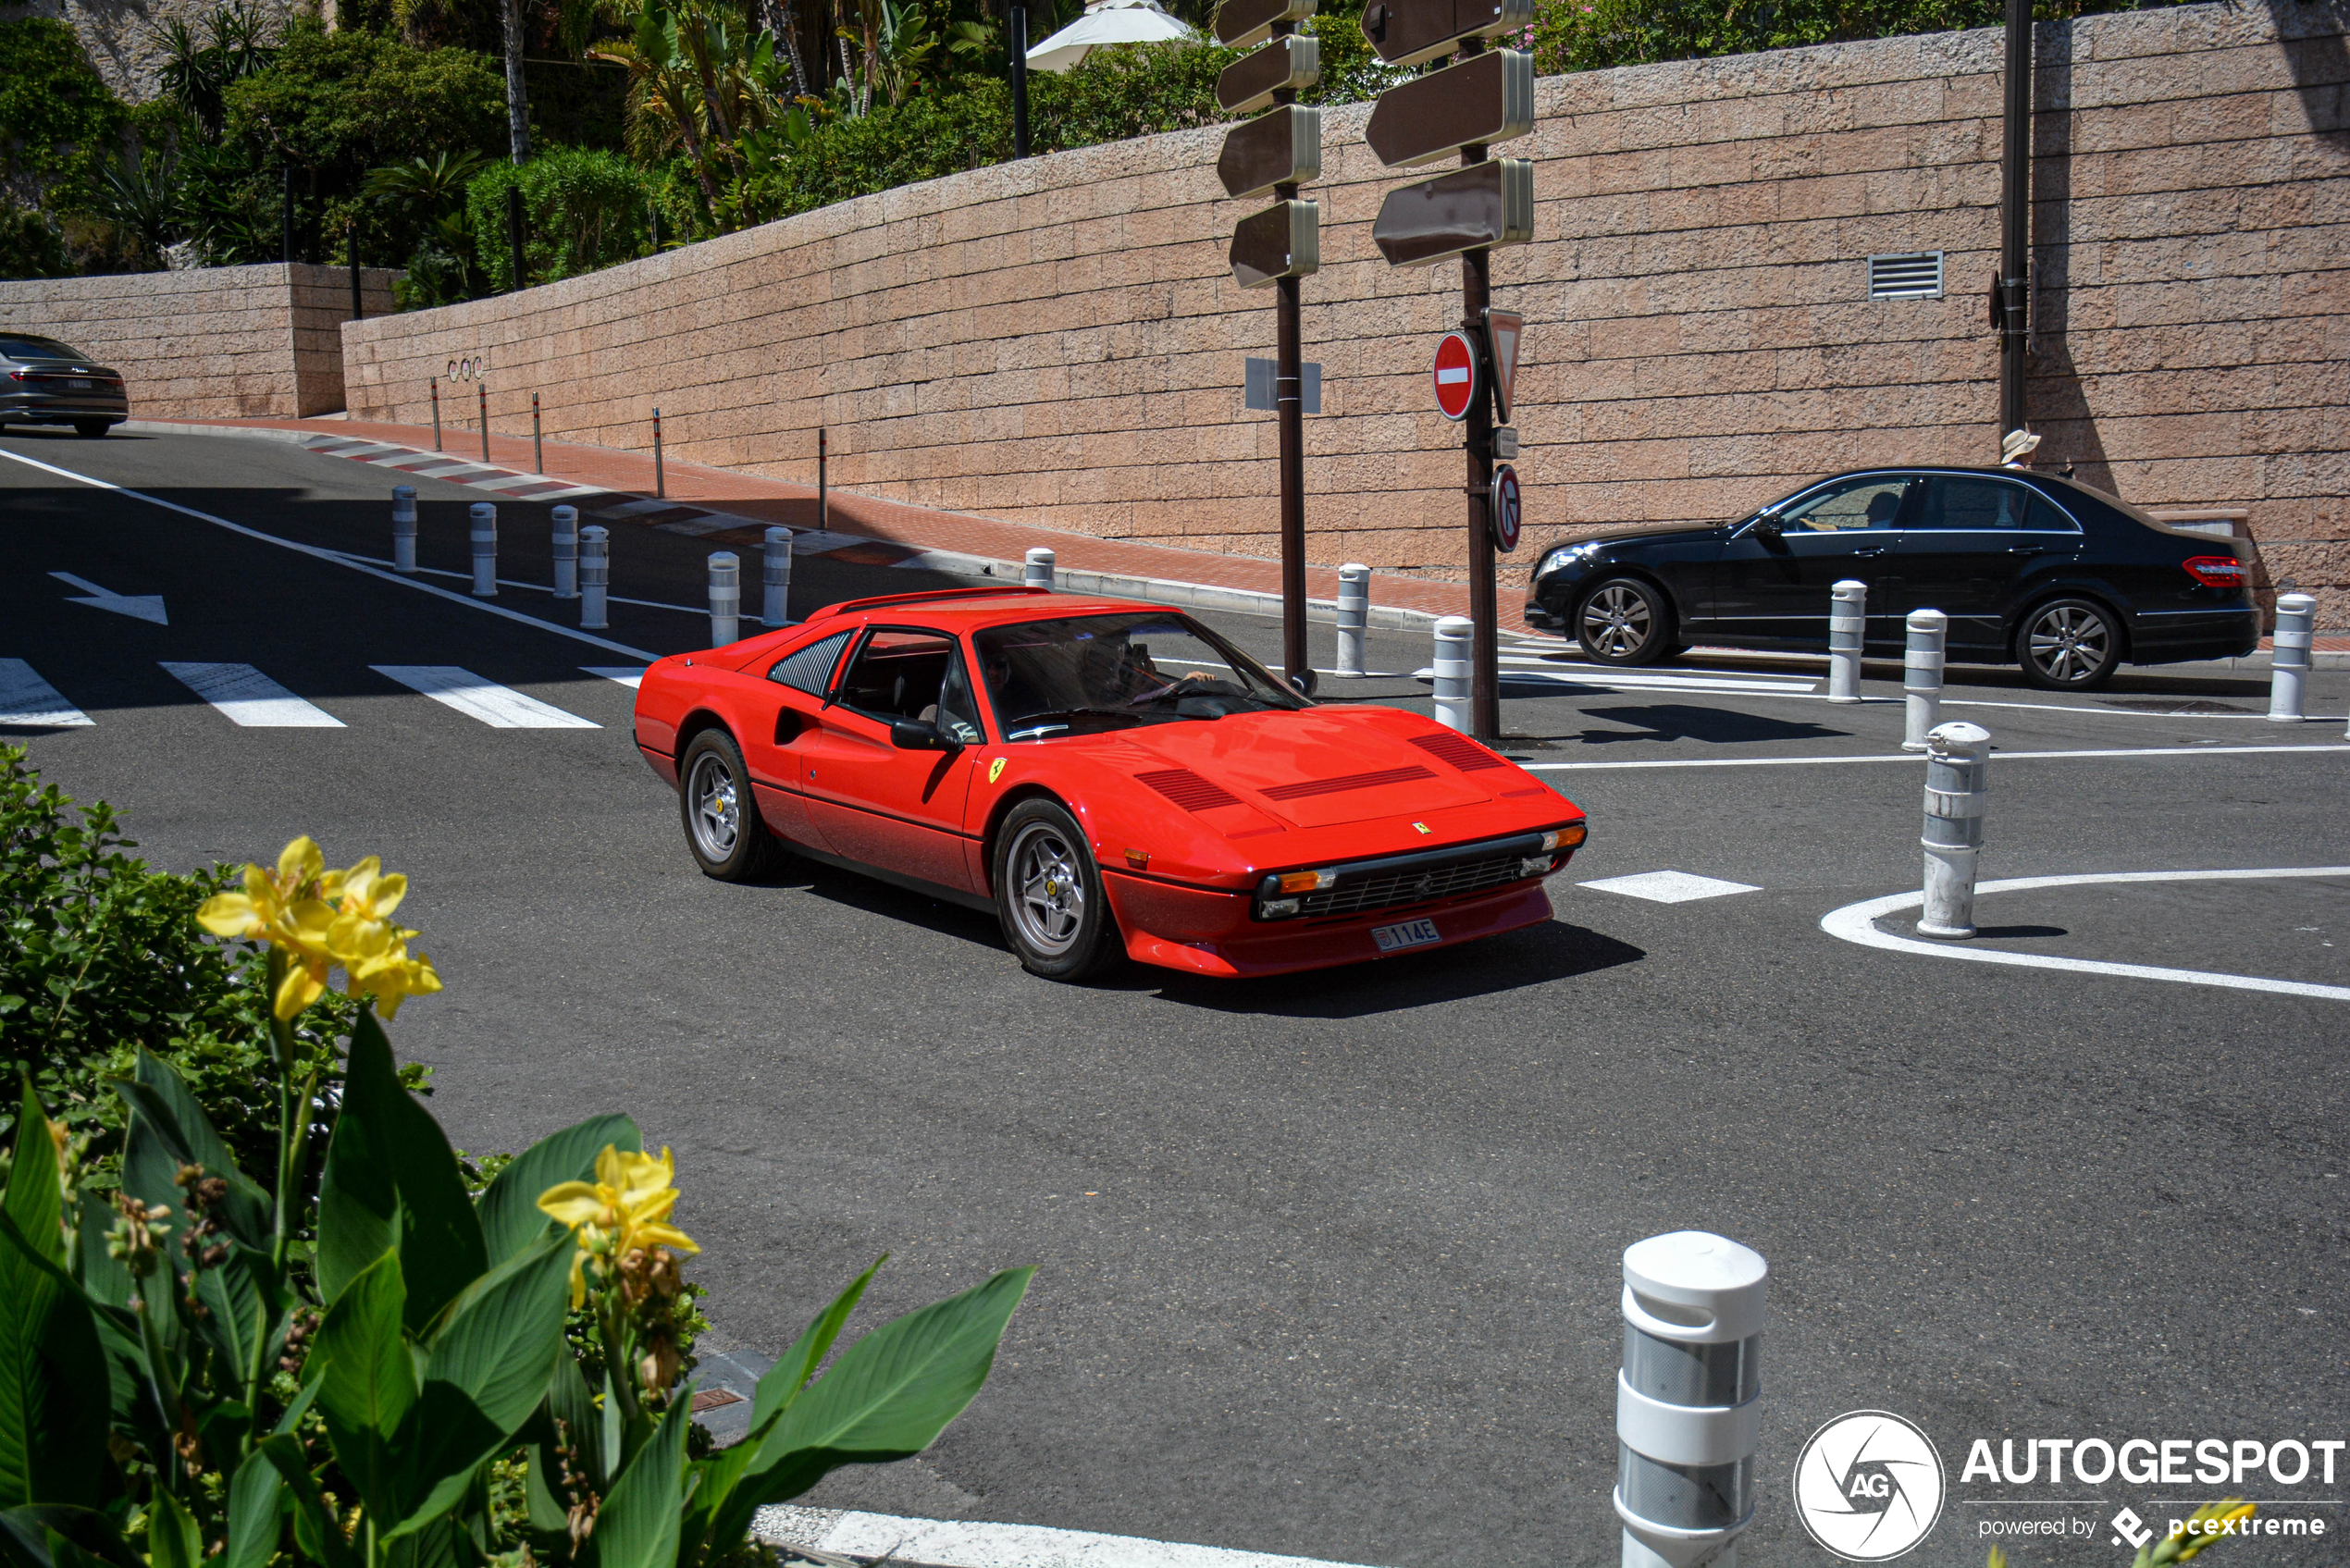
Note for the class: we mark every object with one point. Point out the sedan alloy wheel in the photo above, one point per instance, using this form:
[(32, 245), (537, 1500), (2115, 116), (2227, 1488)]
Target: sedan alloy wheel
[(2069, 645), (1623, 620)]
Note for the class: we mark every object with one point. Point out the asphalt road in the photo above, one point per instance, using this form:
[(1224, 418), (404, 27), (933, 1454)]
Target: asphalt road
[(1329, 1266)]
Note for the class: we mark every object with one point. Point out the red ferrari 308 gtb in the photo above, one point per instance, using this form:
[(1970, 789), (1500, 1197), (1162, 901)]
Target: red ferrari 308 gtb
[(1104, 775)]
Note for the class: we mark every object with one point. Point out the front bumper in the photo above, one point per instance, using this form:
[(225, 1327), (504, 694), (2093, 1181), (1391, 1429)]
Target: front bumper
[(1208, 931)]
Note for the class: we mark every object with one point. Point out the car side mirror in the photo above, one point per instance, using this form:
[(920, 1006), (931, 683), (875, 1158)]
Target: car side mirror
[(1767, 528), (915, 734), (1304, 683)]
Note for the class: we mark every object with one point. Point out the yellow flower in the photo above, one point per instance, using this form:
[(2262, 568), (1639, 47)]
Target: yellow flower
[(626, 1206), (320, 919)]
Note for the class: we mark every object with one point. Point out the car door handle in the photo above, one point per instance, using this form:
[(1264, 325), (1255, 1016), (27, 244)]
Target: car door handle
[(2032, 549), (1872, 549)]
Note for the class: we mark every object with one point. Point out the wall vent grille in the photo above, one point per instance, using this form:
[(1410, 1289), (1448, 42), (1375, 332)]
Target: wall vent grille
[(1914, 274)]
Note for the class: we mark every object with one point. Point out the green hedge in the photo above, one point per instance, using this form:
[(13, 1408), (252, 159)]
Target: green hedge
[(585, 209)]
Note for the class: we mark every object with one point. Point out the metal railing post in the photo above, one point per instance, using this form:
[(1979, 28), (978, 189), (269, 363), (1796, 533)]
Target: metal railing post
[(1038, 570), (2288, 658), (774, 578), (1922, 676), (1848, 627), (1957, 780), (485, 542), (1353, 615), (1452, 660), (403, 527), (660, 480), (566, 520), (595, 575), (725, 598)]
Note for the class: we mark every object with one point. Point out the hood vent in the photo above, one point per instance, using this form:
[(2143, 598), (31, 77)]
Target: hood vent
[(1460, 751), (1311, 787), (1187, 789)]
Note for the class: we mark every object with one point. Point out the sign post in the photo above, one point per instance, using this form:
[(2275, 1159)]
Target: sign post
[(1277, 152), (1480, 99)]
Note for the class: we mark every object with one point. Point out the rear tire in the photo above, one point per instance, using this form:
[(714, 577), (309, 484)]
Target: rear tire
[(91, 429), (2069, 645), (723, 832), (1623, 620), (1048, 895)]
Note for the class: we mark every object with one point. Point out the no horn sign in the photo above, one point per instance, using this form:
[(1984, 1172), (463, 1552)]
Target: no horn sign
[(1456, 375)]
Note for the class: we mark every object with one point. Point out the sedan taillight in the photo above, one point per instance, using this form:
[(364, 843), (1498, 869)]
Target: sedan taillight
[(2215, 571)]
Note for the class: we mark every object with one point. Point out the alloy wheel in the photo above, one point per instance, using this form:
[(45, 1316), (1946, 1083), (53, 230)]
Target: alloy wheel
[(716, 817), (1617, 621), (1050, 898), (2068, 643)]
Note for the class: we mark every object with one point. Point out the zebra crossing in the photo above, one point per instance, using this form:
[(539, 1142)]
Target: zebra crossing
[(1538, 672), (251, 699)]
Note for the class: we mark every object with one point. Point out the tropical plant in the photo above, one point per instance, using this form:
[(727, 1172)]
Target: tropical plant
[(195, 72), (210, 1366), (138, 190), (586, 210)]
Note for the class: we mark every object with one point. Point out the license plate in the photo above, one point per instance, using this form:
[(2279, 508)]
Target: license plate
[(1410, 933)]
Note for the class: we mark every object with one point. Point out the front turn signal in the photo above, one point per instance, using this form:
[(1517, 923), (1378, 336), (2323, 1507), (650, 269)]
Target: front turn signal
[(1568, 838)]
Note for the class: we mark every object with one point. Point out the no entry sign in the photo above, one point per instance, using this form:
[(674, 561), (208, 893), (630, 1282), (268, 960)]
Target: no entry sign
[(1455, 374), (1506, 514)]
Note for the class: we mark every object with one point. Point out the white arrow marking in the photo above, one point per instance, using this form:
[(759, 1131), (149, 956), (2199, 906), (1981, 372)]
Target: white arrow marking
[(145, 607)]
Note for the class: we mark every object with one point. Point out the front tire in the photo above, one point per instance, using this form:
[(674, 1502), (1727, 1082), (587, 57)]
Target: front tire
[(1048, 895), (2069, 645), (723, 832), (1623, 620)]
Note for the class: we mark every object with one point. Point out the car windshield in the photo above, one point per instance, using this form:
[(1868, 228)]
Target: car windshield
[(1094, 673), (37, 348)]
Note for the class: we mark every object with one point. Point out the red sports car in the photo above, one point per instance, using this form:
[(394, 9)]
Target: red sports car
[(1106, 776)]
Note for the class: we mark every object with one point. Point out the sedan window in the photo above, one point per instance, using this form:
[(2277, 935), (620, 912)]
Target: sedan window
[(1860, 503), (37, 348), (1957, 501)]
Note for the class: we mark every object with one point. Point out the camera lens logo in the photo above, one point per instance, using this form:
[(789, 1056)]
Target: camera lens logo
[(1868, 1486)]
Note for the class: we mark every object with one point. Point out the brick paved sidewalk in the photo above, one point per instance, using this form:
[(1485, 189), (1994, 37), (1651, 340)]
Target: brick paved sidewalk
[(601, 481)]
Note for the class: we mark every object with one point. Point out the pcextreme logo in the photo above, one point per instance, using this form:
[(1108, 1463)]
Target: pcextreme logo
[(1868, 1486)]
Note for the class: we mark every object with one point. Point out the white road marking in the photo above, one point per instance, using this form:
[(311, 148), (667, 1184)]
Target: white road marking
[(2337, 748), (629, 676), (247, 697), (319, 552), (26, 701), (501, 708), (1670, 887), (947, 1543), (1857, 922), (139, 607)]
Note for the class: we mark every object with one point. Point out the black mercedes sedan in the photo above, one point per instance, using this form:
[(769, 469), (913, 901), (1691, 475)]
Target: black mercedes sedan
[(2031, 569), (45, 382)]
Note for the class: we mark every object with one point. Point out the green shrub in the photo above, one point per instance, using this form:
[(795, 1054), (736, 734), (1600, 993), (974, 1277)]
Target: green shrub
[(29, 244), (585, 209), (57, 118), (100, 959), (1573, 36)]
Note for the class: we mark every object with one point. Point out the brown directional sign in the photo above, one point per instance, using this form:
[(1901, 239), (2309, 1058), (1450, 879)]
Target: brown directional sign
[(1250, 82), (1284, 241), (1485, 99), (1405, 32), (1484, 205), (1281, 148), (1240, 23)]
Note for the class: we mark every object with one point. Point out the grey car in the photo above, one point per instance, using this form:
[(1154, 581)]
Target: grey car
[(45, 382)]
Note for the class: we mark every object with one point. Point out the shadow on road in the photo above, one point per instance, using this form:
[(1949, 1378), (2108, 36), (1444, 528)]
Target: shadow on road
[(1719, 726), (1533, 957)]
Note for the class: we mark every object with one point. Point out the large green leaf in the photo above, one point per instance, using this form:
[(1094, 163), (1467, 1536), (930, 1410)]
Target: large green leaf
[(173, 1540), (636, 1527), (316, 1531), (53, 1433), (158, 1094), (391, 1183), (779, 1387), (886, 1398), (31, 1537), (509, 1210), (240, 1304), (253, 1529), (485, 1372), (367, 1381)]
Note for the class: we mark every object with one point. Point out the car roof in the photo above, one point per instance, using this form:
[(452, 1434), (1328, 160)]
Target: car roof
[(968, 609)]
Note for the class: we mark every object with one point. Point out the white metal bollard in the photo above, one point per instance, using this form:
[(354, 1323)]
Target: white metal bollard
[(774, 578), (1957, 780), (1848, 624), (1688, 1401), (566, 552), (2289, 663), (725, 598), (1922, 676), (595, 575), (1453, 634), (485, 535), (1039, 574), (1353, 615), (403, 527)]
